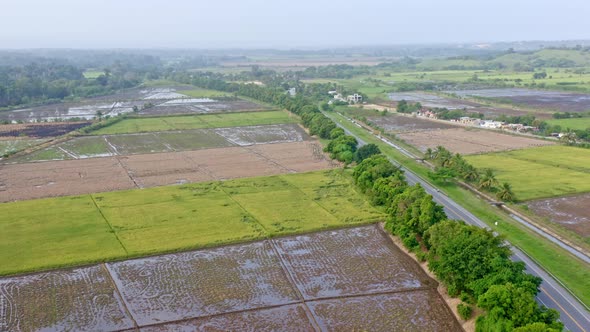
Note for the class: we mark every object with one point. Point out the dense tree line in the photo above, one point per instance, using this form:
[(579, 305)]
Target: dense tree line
[(53, 81), (471, 262)]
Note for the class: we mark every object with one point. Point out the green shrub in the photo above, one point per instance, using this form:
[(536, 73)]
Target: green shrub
[(464, 310)]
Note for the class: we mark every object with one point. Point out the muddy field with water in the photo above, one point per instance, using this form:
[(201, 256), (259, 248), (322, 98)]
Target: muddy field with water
[(354, 279), (164, 101), (435, 101), (549, 100), (572, 212), (168, 141)]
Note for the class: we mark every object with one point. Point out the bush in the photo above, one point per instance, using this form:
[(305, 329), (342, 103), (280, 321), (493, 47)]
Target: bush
[(464, 310)]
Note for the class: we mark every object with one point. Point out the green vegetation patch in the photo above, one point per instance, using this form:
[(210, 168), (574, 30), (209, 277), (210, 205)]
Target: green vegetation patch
[(67, 231), (573, 123), (11, 146), (540, 172), (54, 232), (140, 125), (92, 74), (204, 93)]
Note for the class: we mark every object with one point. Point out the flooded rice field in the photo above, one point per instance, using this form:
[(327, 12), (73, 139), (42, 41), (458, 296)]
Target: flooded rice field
[(202, 106), (435, 101), (358, 280), (83, 176), (551, 100), (148, 101), (572, 212), (83, 299), (168, 141)]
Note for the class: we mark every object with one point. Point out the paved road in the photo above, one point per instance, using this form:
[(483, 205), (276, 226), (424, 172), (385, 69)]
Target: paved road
[(581, 255), (573, 314)]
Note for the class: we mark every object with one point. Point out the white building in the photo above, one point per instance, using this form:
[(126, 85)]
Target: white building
[(491, 124), (355, 98)]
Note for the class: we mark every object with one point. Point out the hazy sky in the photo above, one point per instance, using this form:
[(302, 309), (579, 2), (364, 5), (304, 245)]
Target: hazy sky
[(284, 24)]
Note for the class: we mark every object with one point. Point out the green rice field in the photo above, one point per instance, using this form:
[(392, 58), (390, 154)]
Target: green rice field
[(540, 172), (574, 124), (66, 231)]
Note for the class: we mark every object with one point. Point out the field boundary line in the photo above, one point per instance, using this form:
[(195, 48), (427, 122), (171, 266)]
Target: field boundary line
[(291, 279), (310, 198), (109, 224), (267, 233), (267, 159), (129, 173), (124, 302)]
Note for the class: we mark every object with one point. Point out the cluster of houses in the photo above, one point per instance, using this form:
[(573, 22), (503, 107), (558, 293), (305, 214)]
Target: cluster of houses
[(351, 99), (490, 124)]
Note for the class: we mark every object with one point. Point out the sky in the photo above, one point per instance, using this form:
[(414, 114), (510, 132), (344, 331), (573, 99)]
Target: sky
[(284, 24)]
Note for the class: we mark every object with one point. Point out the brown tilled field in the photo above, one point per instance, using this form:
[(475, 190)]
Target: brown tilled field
[(466, 141), (352, 279), (572, 212), (401, 123), (73, 177)]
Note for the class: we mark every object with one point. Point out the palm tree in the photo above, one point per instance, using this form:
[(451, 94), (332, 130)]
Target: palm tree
[(444, 158), (488, 180), (505, 194), (429, 154), (469, 173)]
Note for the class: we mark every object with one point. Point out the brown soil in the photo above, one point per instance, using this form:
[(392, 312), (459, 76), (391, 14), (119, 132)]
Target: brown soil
[(473, 141), (73, 177), (572, 212), (400, 123)]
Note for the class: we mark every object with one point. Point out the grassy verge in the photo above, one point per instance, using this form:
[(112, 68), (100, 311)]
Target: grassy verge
[(574, 273), (69, 231), (166, 123)]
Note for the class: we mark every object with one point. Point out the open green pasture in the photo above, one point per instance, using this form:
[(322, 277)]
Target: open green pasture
[(221, 120), (540, 172), (67, 231), (574, 123)]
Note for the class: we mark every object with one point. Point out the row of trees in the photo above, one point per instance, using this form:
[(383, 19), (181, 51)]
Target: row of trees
[(451, 166), (471, 262)]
